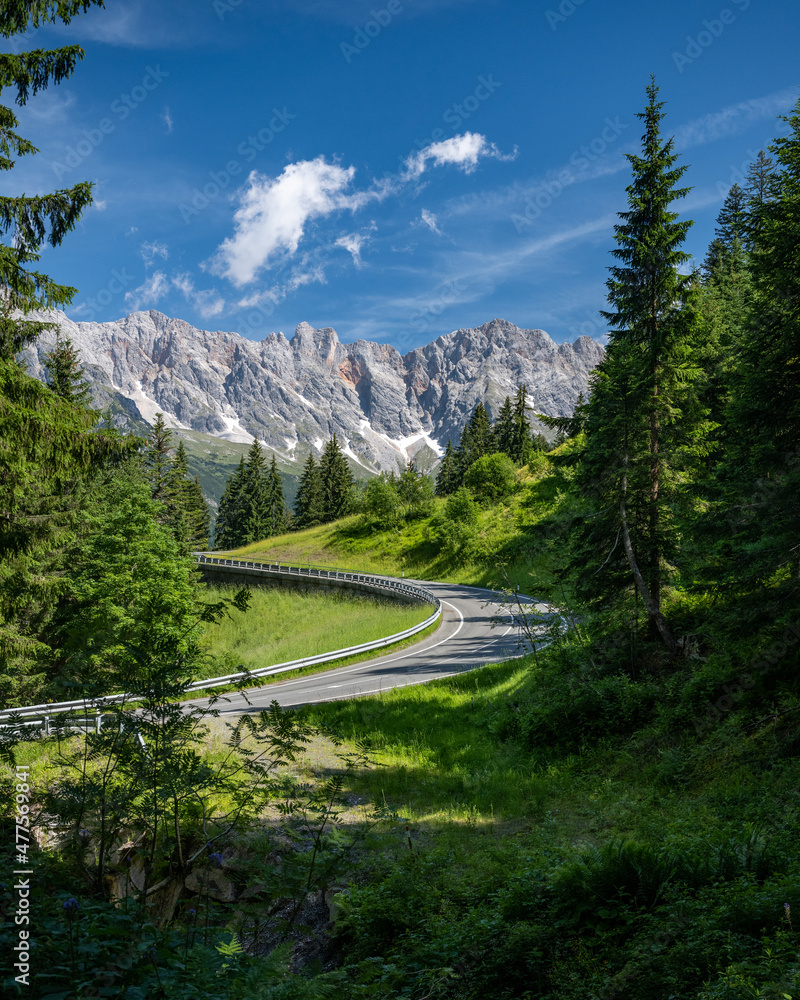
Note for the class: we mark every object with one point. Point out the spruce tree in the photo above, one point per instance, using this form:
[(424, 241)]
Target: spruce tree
[(337, 481), (308, 502), (640, 385), (187, 512), (255, 496), (158, 459), (47, 445), (449, 476), (763, 474), (32, 221), (477, 438), (230, 524), (521, 434), (278, 515), (726, 250), (199, 515), (65, 374), (504, 428)]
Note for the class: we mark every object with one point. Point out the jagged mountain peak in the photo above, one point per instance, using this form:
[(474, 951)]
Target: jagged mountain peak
[(293, 394)]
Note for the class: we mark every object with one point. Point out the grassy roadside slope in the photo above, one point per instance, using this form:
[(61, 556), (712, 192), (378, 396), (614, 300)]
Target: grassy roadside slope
[(512, 542), (283, 625)]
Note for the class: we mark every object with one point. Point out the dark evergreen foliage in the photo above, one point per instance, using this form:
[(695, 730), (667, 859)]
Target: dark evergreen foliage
[(338, 483), (449, 476), (632, 438), (504, 428), (308, 510), (47, 218), (65, 374)]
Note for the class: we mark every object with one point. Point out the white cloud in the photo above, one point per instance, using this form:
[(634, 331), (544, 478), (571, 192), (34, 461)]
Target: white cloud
[(462, 151), (166, 118), (150, 251), (353, 242), (274, 213), (149, 292), (429, 219), (206, 301)]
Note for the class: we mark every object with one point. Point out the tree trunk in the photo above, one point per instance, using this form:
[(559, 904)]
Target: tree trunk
[(654, 612)]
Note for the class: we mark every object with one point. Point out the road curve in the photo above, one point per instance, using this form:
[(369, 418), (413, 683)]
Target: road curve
[(465, 640)]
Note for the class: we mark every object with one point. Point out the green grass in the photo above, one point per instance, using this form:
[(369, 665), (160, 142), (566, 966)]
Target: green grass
[(436, 763), (284, 625)]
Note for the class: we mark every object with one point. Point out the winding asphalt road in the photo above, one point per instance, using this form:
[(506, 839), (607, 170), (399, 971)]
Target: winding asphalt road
[(466, 639)]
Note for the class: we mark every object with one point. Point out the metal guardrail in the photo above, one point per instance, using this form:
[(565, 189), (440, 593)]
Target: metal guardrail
[(379, 583)]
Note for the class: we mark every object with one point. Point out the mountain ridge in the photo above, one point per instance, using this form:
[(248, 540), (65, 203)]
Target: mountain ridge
[(294, 393)]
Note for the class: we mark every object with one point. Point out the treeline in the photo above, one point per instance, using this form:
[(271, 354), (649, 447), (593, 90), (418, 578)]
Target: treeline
[(685, 464), (253, 505), (509, 435)]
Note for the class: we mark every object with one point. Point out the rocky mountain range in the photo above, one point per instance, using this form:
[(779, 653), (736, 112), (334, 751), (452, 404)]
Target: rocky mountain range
[(295, 393)]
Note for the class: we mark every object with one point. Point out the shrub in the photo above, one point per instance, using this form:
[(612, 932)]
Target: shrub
[(492, 477)]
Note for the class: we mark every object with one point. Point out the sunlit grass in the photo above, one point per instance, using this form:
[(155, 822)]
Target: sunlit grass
[(437, 764), (284, 625)]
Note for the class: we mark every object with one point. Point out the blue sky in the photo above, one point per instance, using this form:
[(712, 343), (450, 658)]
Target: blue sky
[(396, 169)]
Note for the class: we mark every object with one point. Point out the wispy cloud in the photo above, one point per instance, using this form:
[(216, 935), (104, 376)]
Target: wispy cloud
[(274, 212), (158, 285), (429, 219), (733, 119), (151, 291), (207, 302), (166, 118), (149, 252), (352, 243)]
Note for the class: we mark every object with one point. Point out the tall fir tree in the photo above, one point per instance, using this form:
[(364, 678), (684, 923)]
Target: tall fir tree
[(477, 438), (726, 250), (521, 435), (230, 523), (255, 495), (308, 510), (187, 510), (639, 387), (337, 481), (503, 428), (32, 221), (278, 515), (65, 375), (449, 477), (48, 448), (158, 459), (763, 495)]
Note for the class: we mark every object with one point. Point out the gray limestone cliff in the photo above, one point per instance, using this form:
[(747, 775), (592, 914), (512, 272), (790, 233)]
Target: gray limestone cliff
[(294, 394)]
